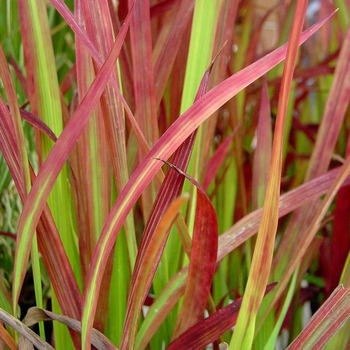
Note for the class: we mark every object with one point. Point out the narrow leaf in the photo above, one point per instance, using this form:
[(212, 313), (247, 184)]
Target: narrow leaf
[(230, 240), (24, 331), (329, 319), (260, 269), (170, 140), (6, 337), (210, 329), (144, 273), (59, 154), (36, 314), (216, 160), (262, 154), (202, 260)]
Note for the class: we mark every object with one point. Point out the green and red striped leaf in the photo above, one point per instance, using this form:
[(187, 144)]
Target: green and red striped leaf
[(230, 240), (202, 260), (262, 259), (324, 324), (210, 329), (145, 270), (42, 186)]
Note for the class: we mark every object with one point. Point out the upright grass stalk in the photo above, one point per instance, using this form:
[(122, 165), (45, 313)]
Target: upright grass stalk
[(25, 174), (244, 332), (199, 56), (45, 101)]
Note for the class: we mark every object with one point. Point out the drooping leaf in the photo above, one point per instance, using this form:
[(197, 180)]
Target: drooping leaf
[(36, 314), (29, 336), (145, 270)]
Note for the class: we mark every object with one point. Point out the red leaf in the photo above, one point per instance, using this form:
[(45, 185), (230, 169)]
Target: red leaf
[(202, 260), (209, 330)]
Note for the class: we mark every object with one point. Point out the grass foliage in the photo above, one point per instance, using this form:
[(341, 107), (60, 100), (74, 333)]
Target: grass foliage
[(174, 174)]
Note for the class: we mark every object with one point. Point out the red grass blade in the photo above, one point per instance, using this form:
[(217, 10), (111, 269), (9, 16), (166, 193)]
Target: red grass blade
[(341, 231), (62, 8), (234, 237), (144, 90), (331, 316), (210, 329), (35, 121), (170, 189), (290, 201), (262, 259), (333, 116), (37, 197), (141, 44), (201, 271), (144, 273), (165, 51), (50, 244)]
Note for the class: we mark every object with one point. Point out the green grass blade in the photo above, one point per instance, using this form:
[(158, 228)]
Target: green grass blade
[(260, 269)]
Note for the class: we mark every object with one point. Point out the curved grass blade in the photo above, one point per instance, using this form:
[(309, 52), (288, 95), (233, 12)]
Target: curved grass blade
[(24, 169), (24, 331), (36, 314), (33, 120), (210, 329), (144, 273), (166, 145), (170, 189), (230, 240), (248, 78), (160, 309), (50, 244), (43, 184), (202, 259)]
